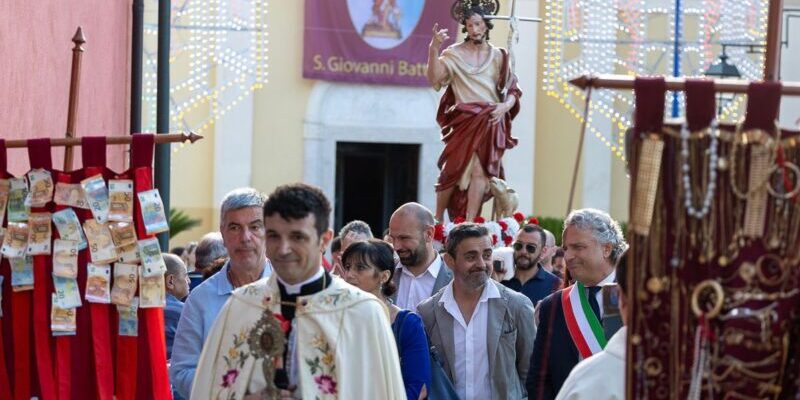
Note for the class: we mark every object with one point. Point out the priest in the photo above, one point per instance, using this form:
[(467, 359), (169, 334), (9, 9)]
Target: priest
[(302, 333)]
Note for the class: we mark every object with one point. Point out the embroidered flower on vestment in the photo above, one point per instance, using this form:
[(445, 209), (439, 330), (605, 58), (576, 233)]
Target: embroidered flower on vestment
[(229, 378), (326, 384)]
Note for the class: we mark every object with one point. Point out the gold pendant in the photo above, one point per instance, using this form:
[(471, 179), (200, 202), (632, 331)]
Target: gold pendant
[(267, 342), (656, 285), (747, 271)]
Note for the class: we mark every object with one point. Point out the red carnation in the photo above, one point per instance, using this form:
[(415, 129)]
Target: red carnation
[(507, 240), (479, 220), (285, 323), (503, 225), (534, 221), (519, 217), (494, 239), (459, 220), (438, 232)]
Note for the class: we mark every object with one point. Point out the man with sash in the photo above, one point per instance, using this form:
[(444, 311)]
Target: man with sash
[(570, 320), (302, 333), (602, 376)]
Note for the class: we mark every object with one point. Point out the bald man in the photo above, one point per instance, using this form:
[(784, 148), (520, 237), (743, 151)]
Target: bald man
[(548, 251), (420, 272)]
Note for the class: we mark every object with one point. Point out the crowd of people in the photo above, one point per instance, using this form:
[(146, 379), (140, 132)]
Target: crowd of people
[(287, 310)]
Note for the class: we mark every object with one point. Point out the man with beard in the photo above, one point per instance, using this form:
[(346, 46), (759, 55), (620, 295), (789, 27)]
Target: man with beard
[(475, 111), (483, 330), (530, 278), (421, 272), (570, 320)]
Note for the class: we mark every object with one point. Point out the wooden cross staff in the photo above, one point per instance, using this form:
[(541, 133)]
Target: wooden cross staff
[(70, 140), (512, 19)]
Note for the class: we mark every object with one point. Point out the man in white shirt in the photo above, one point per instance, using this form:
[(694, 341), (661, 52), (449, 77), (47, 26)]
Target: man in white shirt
[(483, 330), (420, 273)]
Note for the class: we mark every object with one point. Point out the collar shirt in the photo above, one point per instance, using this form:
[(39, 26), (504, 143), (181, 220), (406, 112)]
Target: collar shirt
[(610, 278), (536, 288), (295, 289), (412, 289), (198, 315), (471, 375)]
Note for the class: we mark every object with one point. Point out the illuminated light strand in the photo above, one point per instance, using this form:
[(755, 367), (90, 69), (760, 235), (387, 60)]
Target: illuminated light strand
[(206, 36), (719, 20)]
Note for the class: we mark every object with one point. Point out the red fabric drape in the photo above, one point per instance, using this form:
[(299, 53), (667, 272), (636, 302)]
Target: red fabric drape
[(96, 363), (5, 325), (94, 161), (39, 155), (153, 377)]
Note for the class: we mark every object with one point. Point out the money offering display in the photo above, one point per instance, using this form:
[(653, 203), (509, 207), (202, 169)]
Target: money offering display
[(82, 278), (715, 217)]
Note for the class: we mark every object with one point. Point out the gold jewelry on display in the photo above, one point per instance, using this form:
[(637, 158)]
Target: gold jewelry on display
[(796, 187), (712, 291), (647, 178), (762, 275), (755, 213), (652, 366)]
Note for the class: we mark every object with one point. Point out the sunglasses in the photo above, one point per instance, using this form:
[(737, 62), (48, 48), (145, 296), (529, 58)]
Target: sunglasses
[(530, 248)]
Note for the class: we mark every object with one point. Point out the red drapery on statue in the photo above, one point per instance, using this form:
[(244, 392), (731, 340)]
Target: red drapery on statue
[(467, 130)]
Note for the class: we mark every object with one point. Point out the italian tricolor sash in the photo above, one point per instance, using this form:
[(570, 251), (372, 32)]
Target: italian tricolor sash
[(583, 325)]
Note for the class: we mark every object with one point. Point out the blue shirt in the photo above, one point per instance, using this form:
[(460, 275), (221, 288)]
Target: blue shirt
[(412, 344), (536, 288), (199, 313), (172, 313)]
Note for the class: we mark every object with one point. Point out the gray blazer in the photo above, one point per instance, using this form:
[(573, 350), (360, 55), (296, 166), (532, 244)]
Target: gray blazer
[(442, 279), (510, 336)]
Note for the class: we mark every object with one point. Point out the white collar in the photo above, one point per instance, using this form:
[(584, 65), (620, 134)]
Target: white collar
[(433, 269), (489, 292), (295, 289), (610, 278)]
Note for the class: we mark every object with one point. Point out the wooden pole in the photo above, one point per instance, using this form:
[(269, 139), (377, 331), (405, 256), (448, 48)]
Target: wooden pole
[(74, 85), (772, 56), (678, 84), (580, 150), (70, 142)]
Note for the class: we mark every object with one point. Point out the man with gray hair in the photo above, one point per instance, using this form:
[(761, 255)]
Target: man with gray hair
[(352, 232), (570, 320), (242, 229)]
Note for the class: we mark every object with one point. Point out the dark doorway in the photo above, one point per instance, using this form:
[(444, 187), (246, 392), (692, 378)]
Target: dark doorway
[(372, 180)]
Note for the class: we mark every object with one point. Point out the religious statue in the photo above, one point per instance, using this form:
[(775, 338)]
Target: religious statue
[(475, 111)]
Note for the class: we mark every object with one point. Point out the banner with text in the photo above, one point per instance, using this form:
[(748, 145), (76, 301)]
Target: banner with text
[(372, 41)]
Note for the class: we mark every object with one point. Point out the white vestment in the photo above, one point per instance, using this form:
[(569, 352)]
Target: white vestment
[(601, 376), (345, 346)]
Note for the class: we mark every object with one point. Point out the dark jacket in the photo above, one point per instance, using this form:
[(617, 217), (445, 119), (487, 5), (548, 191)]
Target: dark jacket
[(554, 353)]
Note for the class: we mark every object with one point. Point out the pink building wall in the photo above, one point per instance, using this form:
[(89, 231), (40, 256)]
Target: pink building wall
[(35, 68)]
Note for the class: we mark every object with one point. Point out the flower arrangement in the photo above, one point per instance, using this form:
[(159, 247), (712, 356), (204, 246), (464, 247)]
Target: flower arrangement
[(502, 230)]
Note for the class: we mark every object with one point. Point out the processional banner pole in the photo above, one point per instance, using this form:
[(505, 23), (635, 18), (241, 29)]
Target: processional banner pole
[(74, 85)]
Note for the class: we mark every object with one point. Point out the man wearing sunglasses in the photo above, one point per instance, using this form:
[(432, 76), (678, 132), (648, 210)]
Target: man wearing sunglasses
[(530, 278)]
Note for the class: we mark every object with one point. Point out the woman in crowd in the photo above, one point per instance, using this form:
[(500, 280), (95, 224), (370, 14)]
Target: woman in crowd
[(369, 265)]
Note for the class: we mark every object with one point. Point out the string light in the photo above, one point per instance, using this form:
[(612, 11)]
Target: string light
[(582, 37), (219, 49)]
